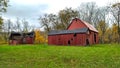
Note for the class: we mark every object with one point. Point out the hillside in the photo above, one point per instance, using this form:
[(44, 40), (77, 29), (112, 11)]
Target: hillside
[(44, 56)]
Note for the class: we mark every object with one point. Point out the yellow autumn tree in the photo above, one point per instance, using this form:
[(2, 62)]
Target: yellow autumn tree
[(39, 38), (102, 28), (115, 33), (108, 35)]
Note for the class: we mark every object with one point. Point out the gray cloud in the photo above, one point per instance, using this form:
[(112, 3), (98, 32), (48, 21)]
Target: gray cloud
[(29, 12), (25, 11)]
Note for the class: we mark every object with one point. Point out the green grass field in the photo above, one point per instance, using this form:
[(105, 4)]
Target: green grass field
[(44, 56)]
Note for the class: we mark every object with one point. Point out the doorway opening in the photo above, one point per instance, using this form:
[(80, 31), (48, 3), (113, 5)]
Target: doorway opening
[(95, 38), (87, 42), (68, 42)]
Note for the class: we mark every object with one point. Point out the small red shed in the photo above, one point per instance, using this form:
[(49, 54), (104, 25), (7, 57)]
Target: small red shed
[(78, 33), (21, 38)]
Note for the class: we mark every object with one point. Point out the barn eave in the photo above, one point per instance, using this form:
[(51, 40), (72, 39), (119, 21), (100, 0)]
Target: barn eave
[(56, 32)]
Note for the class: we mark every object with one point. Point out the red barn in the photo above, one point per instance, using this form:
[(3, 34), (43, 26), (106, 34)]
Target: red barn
[(78, 33), (21, 38)]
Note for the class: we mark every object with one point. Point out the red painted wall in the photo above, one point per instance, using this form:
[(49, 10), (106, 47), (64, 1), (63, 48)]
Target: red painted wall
[(15, 42), (79, 39), (29, 40), (92, 37), (76, 24)]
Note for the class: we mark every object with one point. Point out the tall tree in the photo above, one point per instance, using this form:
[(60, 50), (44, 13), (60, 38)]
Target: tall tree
[(91, 13), (6, 29), (9, 26), (55, 22), (108, 36), (88, 11), (60, 21), (116, 13), (102, 27), (45, 22), (1, 22), (66, 15), (18, 25), (26, 26), (3, 8), (115, 35)]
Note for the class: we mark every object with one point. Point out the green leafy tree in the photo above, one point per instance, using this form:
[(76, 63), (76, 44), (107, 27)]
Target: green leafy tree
[(3, 8), (45, 22), (1, 22), (3, 5), (66, 16)]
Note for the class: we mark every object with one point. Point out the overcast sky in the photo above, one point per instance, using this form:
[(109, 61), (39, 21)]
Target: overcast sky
[(32, 9)]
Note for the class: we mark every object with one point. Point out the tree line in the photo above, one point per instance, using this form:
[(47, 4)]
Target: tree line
[(104, 19)]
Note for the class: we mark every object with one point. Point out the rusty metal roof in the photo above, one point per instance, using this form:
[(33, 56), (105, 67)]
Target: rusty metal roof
[(86, 23), (55, 32), (90, 26)]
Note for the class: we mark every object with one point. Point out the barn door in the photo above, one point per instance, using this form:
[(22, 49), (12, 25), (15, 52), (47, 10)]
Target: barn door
[(68, 42), (87, 42), (60, 40)]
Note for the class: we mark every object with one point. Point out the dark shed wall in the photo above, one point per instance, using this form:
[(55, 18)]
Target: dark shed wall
[(29, 40), (21, 38)]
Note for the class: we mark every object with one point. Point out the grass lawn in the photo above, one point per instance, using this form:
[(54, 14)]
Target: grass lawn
[(44, 56)]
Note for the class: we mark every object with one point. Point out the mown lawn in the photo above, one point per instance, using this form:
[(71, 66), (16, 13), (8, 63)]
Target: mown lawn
[(44, 56)]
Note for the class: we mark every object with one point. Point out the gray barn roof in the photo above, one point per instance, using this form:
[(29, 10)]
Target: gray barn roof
[(55, 32)]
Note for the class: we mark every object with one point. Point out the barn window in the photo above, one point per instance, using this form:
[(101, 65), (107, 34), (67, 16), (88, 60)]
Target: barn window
[(71, 38), (75, 35)]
